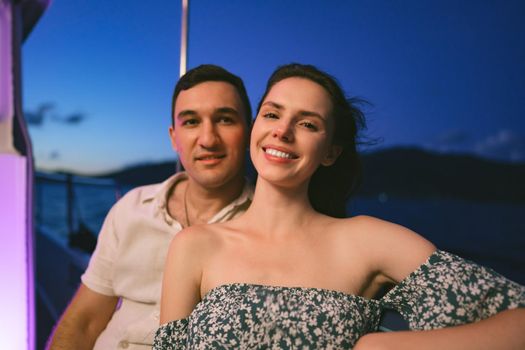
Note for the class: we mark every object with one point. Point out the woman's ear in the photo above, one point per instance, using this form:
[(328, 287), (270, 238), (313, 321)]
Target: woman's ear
[(331, 156)]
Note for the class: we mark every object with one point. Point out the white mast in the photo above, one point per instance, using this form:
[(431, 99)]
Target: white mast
[(184, 38)]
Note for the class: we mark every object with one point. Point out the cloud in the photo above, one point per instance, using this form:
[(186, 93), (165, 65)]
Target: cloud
[(54, 155), (454, 140), (504, 145), (73, 119), (453, 137), (36, 118), (41, 115)]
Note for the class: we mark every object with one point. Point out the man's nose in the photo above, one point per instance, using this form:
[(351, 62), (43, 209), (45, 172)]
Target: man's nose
[(208, 136)]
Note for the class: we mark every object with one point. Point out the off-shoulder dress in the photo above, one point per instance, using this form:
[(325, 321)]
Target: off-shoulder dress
[(444, 291)]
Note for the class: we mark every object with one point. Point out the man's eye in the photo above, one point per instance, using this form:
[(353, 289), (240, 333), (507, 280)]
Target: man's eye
[(190, 122), (226, 120)]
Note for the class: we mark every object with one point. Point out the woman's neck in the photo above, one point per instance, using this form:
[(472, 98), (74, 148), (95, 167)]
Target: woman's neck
[(278, 210)]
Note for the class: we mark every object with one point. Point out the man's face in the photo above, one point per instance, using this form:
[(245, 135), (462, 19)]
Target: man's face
[(209, 133)]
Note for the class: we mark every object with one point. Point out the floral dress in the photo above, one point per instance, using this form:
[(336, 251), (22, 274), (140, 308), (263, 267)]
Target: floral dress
[(445, 291)]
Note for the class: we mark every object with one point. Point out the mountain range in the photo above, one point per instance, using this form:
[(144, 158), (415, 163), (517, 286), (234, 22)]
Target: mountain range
[(401, 172)]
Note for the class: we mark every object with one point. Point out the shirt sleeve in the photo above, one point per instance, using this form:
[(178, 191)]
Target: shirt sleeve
[(448, 290), (172, 335), (99, 273)]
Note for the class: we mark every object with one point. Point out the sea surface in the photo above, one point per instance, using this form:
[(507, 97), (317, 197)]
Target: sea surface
[(492, 234)]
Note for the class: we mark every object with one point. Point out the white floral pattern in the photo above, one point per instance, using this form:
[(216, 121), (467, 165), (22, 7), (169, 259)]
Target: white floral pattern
[(448, 290), (445, 291)]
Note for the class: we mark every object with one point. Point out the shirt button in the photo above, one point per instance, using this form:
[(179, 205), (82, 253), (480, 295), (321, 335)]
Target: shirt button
[(124, 344)]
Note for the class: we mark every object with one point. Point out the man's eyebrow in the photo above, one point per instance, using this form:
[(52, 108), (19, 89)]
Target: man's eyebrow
[(186, 113), (221, 110), (226, 110), (302, 113)]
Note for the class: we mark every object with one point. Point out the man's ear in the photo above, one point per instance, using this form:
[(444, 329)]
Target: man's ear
[(331, 156), (173, 138)]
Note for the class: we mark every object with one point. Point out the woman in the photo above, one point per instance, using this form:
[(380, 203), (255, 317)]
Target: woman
[(289, 274)]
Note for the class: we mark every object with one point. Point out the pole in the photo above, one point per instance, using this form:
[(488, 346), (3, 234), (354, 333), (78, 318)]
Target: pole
[(184, 38)]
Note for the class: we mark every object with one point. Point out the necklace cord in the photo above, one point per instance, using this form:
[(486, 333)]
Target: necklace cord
[(186, 207)]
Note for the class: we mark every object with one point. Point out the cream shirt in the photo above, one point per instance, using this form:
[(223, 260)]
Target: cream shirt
[(129, 260)]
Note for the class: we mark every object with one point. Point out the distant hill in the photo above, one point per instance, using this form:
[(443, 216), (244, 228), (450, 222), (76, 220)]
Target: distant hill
[(411, 172), (402, 172), (143, 174)]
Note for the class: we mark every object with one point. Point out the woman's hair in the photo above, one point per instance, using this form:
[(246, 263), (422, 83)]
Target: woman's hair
[(331, 186)]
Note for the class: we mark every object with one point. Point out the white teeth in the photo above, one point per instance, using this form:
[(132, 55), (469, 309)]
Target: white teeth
[(279, 154)]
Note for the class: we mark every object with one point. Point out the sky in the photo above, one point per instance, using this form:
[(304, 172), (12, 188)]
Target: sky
[(444, 75)]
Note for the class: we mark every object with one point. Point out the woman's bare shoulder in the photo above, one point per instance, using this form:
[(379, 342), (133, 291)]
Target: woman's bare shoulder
[(380, 231), (392, 249), (194, 243)]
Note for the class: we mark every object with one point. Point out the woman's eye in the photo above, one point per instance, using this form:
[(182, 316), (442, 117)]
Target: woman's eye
[(270, 115), (309, 125)]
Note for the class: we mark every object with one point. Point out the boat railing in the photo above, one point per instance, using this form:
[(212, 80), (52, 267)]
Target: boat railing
[(69, 212), (65, 204)]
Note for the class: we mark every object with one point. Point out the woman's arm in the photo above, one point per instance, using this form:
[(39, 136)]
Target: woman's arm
[(182, 276), (446, 292), (502, 331), (394, 251)]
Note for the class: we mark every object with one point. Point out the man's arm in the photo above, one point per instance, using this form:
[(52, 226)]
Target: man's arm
[(84, 319), (501, 331)]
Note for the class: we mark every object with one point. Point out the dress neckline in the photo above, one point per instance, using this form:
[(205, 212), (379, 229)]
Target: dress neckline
[(243, 286), (436, 255)]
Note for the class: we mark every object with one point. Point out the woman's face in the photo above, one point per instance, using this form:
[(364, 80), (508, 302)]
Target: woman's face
[(292, 133)]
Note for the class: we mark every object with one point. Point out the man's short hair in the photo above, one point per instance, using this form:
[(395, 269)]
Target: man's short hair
[(211, 72)]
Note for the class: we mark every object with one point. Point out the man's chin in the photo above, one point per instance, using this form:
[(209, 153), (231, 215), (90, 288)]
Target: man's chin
[(214, 181)]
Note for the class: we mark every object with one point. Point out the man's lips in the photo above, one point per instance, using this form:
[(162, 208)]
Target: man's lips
[(210, 157)]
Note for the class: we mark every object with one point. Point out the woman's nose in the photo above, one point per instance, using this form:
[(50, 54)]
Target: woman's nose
[(283, 131)]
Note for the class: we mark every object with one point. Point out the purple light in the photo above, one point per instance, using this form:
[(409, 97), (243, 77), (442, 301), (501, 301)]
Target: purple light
[(13, 253), (6, 92), (16, 261)]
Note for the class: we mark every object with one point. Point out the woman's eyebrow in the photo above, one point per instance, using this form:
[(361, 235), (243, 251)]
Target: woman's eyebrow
[(312, 114), (303, 113), (272, 104)]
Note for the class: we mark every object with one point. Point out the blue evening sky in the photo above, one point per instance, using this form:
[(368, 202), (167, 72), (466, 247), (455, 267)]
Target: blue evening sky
[(441, 74)]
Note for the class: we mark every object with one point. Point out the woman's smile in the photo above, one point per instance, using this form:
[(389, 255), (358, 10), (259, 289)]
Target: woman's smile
[(292, 129)]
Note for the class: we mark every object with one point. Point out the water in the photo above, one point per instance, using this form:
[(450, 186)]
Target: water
[(492, 234), (91, 204)]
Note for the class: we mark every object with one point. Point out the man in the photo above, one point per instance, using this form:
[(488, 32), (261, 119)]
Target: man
[(117, 303)]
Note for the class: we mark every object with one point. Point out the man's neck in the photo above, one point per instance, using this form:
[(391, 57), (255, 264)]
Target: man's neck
[(191, 203)]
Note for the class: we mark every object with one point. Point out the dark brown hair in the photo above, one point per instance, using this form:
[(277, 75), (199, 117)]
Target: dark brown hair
[(331, 186)]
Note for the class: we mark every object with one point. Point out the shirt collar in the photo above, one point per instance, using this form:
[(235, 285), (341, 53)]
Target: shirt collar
[(160, 198), (244, 199)]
